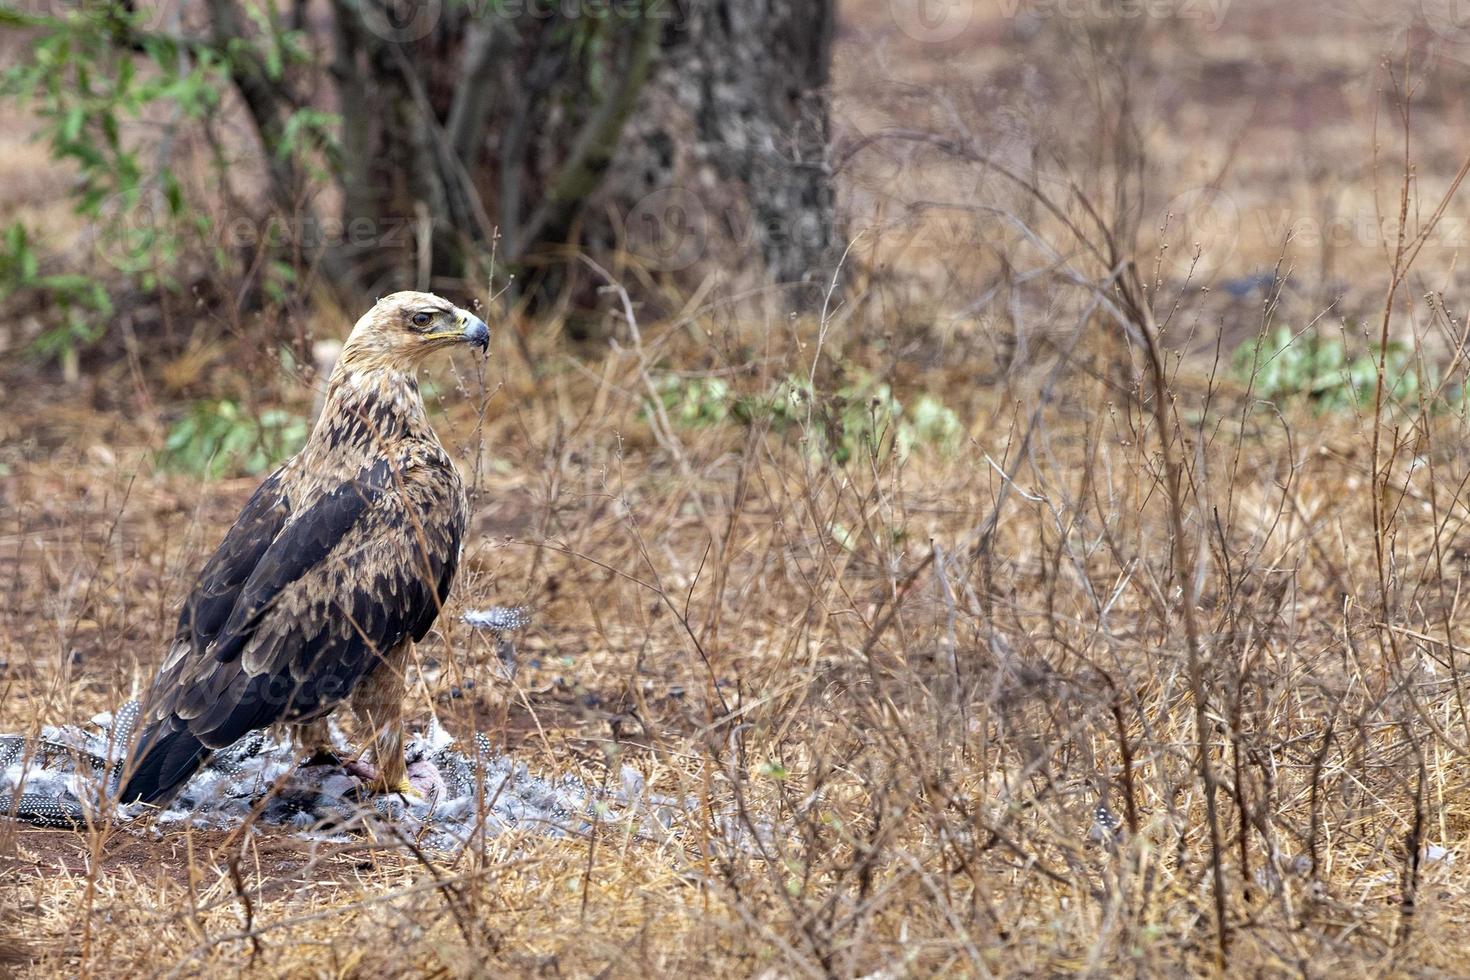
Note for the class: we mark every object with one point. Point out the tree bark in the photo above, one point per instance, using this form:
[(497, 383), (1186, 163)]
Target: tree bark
[(685, 135), (726, 166)]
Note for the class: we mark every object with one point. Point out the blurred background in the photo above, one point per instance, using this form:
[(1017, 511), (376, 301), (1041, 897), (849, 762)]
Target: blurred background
[(194, 191)]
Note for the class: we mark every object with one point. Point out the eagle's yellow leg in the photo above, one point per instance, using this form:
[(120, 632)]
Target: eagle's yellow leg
[(378, 704)]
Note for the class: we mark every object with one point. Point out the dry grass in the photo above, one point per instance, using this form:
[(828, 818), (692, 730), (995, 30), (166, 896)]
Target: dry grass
[(903, 685), (927, 714)]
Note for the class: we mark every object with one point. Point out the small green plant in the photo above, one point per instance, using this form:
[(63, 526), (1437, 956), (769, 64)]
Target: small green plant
[(218, 438), (694, 402), (82, 302), (1284, 365), (930, 422), (860, 418), (864, 418)]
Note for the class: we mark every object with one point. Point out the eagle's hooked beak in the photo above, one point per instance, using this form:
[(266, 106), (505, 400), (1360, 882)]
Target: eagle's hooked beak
[(473, 329)]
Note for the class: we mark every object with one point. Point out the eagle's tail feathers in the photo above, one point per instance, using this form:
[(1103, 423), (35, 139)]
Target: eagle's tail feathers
[(166, 756)]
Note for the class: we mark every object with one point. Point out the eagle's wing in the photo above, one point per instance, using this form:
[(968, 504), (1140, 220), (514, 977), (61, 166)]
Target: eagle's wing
[(336, 587), (214, 595)]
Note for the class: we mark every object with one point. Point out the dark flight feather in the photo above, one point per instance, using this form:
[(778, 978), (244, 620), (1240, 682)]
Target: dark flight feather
[(300, 546), (219, 585)]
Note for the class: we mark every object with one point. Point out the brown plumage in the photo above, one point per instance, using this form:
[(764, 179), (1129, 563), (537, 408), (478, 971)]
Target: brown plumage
[(340, 560)]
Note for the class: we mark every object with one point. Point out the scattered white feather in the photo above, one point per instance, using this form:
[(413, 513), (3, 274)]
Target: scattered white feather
[(499, 619), (68, 773)]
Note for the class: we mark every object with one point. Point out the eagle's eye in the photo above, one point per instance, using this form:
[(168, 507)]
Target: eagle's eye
[(422, 319)]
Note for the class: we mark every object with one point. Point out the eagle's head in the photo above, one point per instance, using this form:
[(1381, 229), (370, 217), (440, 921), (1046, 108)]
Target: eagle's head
[(404, 328)]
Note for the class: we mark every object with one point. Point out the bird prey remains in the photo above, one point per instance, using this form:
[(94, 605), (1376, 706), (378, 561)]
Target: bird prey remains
[(338, 563)]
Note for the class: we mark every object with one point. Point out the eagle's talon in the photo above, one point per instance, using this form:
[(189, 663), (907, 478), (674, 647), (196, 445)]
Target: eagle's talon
[(321, 757), (404, 790), (374, 785)]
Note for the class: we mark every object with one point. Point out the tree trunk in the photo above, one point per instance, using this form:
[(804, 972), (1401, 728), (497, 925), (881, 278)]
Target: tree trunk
[(682, 139), (727, 166)]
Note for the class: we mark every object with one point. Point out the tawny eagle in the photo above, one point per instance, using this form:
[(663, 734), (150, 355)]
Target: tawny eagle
[(340, 561)]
